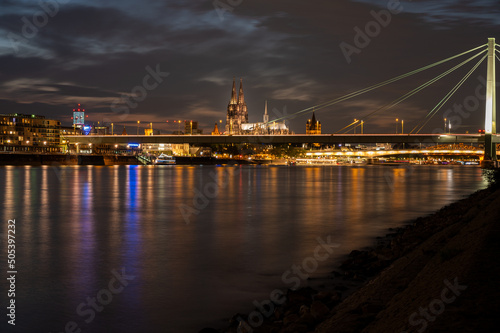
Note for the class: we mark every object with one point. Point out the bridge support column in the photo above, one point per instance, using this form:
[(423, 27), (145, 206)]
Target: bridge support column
[(490, 154)]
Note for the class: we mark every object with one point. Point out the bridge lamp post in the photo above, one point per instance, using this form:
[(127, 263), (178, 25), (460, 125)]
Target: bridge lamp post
[(402, 126), (444, 125), (397, 122), (362, 122), (138, 122)]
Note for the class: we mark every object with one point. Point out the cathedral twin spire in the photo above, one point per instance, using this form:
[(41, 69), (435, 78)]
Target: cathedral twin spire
[(233, 94), (241, 97)]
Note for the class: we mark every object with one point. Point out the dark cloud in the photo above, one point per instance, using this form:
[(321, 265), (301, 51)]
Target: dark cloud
[(287, 52)]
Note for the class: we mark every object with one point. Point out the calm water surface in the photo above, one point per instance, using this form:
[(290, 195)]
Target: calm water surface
[(201, 243)]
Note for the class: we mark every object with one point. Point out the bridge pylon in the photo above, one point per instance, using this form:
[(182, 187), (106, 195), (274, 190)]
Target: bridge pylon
[(490, 117)]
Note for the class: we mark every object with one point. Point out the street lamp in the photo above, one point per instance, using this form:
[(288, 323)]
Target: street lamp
[(362, 123), (138, 122), (402, 126), (444, 125), (111, 128), (397, 121)]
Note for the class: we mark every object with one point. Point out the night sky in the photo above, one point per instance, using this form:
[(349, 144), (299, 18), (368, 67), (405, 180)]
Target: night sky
[(288, 52)]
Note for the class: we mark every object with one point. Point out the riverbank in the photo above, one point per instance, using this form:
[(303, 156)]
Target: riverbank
[(438, 274)]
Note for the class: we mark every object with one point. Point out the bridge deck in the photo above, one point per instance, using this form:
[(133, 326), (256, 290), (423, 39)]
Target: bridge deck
[(280, 139)]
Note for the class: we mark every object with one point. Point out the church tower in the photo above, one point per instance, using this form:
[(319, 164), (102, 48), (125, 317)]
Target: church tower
[(313, 126), (242, 106), (232, 112), (237, 112)]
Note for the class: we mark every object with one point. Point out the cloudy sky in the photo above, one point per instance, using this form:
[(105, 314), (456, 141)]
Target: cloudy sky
[(295, 54)]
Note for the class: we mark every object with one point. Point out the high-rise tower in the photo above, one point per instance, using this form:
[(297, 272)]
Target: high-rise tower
[(78, 117)]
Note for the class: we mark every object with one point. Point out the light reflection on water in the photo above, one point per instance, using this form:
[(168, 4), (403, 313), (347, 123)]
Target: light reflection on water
[(195, 261)]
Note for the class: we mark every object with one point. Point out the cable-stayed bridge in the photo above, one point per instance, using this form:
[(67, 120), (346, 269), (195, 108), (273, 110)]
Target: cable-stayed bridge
[(487, 52)]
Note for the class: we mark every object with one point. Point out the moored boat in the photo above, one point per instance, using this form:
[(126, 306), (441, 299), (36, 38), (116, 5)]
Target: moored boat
[(165, 160)]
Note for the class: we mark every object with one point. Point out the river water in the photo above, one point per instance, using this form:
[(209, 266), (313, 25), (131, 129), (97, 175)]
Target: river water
[(177, 248)]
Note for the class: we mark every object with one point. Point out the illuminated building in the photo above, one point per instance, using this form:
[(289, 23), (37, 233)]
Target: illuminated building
[(265, 127), (237, 113), (177, 149), (313, 126), (70, 130), (191, 127), (100, 130), (33, 133)]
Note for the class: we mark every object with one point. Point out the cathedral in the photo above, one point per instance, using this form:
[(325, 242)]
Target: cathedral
[(237, 118), (237, 113)]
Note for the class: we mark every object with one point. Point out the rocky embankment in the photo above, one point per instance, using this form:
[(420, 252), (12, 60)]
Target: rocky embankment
[(438, 274)]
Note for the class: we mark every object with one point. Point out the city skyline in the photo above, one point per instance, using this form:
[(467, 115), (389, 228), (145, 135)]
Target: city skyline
[(292, 54)]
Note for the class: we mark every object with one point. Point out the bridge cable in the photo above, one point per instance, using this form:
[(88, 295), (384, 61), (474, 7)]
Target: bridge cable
[(370, 88), (413, 92), (408, 94), (362, 91), (416, 90), (450, 94), (445, 99)]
